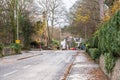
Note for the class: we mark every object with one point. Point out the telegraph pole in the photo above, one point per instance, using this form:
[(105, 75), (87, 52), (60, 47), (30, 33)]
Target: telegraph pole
[(17, 20)]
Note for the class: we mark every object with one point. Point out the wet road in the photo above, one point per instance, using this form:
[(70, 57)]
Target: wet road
[(49, 66)]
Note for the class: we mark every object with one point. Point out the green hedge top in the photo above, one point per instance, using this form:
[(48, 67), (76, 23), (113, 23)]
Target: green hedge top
[(1, 46), (109, 35)]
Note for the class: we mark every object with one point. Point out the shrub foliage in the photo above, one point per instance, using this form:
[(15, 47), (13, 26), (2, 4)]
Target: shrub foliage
[(94, 53), (109, 62), (107, 40), (16, 47)]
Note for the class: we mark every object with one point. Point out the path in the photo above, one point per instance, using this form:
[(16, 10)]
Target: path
[(84, 68)]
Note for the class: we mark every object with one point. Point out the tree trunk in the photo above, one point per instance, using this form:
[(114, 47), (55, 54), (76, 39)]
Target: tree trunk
[(101, 3), (52, 22), (49, 38)]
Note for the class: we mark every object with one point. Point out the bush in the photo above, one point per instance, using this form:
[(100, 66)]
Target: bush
[(55, 42), (94, 53), (94, 40), (87, 47), (1, 49), (109, 35), (42, 43), (1, 46), (107, 40), (16, 47), (109, 62)]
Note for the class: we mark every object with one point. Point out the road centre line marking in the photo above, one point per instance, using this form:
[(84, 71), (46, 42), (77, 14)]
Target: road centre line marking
[(26, 66), (7, 74)]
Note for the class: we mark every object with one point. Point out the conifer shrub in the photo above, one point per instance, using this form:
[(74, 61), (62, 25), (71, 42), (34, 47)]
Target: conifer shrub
[(94, 53), (109, 62), (16, 47), (1, 49), (107, 40), (109, 35)]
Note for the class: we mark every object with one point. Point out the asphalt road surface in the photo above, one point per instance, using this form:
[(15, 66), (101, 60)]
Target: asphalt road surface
[(50, 65)]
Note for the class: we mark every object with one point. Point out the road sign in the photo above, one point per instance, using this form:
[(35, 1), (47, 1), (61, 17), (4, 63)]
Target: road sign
[(17, 41)]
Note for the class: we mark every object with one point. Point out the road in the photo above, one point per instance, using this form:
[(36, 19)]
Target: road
[(50, 65)]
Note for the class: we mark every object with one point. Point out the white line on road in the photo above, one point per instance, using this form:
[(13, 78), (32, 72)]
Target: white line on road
[(7, 74), (26, 66)]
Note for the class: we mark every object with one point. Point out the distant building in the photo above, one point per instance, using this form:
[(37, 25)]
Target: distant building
[(70, 42)]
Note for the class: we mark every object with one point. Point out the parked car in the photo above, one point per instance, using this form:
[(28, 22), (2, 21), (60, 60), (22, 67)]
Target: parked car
[(72, 48)]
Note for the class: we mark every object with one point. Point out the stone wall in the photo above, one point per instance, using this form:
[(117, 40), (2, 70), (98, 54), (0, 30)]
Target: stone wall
[(7, 51), (116, 71), (115, 75)]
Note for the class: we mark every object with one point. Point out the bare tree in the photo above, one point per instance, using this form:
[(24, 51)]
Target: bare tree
[(54, 11)]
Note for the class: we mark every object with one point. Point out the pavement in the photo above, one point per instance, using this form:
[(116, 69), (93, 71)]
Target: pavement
[(84, 68)]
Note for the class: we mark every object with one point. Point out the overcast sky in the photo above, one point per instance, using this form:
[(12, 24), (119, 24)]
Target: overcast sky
[(69, 3)]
